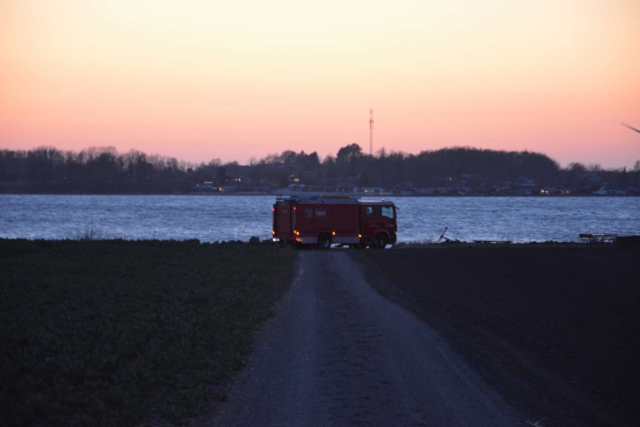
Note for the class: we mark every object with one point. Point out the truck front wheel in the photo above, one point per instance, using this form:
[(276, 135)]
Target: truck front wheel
[(380, 242), (324, 242)]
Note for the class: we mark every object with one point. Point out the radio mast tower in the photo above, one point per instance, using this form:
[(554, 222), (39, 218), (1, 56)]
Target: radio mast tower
[(371, 132)]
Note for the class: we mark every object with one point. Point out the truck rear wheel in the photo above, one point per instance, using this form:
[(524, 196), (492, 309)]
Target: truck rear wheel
[(380, 242), (324, 242)]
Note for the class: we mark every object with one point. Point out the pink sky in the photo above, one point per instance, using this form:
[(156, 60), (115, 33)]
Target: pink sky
[(209, 79)]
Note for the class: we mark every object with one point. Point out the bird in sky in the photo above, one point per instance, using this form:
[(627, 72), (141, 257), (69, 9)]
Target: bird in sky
[(632, 128)]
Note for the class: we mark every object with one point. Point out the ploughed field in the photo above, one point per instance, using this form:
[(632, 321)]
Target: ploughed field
[(121, 332), (554, 329)]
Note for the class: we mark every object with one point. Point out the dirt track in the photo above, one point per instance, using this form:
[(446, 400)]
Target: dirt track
[(554, 329), (338, 353)]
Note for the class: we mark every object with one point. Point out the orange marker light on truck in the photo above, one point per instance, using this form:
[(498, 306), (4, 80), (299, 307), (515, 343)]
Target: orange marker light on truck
[(360, 236), (273, 232), (334, 233)]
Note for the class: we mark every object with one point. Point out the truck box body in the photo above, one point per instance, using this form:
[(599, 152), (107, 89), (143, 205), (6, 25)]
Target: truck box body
[(340, 220)]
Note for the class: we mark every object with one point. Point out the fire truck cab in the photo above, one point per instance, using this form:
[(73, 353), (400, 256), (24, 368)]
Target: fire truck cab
[(325, 220)]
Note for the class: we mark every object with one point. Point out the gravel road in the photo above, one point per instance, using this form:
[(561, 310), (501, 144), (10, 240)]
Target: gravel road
[(337, 353)]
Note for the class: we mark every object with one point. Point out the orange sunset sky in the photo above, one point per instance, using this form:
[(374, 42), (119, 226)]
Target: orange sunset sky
[(233, 80)]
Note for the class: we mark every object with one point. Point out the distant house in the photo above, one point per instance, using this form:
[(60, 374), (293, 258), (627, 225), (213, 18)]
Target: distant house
[(318, 188), (404, 190), (231, 189), (611, 191), (340, 188), (241, 180), (548, 191), (298, 187), (344, 188), (502, 188), (524, 181), (205, 187), (371, 190), (426, 191), (465, 191), (591, 176)]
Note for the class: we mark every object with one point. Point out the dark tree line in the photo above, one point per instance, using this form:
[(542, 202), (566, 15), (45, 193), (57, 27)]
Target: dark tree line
[(105, 171), (93, 170)]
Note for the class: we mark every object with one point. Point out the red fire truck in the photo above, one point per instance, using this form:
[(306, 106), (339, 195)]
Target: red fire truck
[(325, 220)]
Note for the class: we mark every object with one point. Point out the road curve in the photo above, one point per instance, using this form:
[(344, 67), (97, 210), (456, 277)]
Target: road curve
[(337, 353)]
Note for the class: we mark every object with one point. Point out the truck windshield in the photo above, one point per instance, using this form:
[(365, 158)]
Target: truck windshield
[(387, 211)]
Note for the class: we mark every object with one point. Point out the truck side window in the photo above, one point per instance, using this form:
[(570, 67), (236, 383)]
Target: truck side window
[(387, 211), (369, 212)]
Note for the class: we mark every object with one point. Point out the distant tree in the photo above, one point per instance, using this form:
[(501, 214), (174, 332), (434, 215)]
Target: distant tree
[(314, 160), (347, 159), (576, 167), (104, 170), (349, 152), (331, 174), (289, 157)]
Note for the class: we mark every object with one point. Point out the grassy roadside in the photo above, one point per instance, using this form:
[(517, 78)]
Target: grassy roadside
[(122, 332)]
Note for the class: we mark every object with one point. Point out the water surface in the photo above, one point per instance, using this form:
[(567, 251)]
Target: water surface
[(211, 218)]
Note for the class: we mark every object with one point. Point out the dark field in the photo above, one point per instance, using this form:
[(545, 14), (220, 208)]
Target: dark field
[(122, 333), (554, 329)]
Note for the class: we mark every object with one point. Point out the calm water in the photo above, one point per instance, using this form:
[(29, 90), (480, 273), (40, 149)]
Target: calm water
[(210, 218)]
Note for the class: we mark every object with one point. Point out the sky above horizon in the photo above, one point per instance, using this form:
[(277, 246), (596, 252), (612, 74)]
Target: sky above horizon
[(198, 80)]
